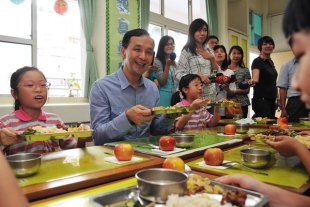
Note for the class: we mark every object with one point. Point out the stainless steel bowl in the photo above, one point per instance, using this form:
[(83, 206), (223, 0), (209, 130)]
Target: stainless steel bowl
[(156, 184), (184, 140), (255, 158), (242, 128), (24, 164)]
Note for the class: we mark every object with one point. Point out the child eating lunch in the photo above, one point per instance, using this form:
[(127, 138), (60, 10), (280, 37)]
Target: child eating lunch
[(190, 90), (29, 89)]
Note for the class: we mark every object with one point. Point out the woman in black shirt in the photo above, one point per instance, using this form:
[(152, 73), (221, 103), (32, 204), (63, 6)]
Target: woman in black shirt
[(264, 77)]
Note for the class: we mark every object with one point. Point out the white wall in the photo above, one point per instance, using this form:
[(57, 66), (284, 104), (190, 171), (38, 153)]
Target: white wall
[(99, 38), (277, 33), (237, 15)]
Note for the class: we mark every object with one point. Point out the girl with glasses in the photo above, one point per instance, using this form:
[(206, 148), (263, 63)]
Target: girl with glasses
[(29, 89)]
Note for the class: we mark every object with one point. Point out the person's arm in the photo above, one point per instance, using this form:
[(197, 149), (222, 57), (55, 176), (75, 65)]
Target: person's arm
[(288, 146), (237, 91), (283, 83), (208, 56), (156, 82), (105, 129), (11, 194), (282, 101), (304, 133), (8, 136), (182, 120), (277, 197), (246, 77), (255, 76), (215, 118), (162, 73)]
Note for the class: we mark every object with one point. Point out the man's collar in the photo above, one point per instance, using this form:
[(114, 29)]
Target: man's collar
[(22, 115), (124, 81)]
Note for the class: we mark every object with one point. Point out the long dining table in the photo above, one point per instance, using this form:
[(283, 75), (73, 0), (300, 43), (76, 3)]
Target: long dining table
[(74, 169), (81, 173)]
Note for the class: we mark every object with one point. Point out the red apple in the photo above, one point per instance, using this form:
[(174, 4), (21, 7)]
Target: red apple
[(230, 129), (282, 121), (213, 156), (167, 143), (175, 163), (123, 152)]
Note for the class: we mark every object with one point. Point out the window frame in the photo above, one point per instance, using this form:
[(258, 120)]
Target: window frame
[(252, 29), (7, 98), (165, 23)]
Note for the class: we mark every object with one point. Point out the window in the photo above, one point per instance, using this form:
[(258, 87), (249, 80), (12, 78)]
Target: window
[(178, 13), (51, 42), (168, 19), (255, 27)]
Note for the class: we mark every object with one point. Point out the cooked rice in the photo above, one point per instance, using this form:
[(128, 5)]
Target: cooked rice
[(203, 200)]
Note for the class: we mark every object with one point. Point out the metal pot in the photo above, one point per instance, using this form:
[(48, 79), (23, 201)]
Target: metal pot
[(156, 184), (242, 128), (24, 164), (255, 158), (184, 140)]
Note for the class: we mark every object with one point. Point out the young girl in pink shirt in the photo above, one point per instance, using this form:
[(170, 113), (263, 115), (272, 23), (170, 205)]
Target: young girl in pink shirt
[(29, 89), (191, 90)]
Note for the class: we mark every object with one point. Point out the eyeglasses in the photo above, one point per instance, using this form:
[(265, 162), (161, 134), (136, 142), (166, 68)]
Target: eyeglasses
[(32, 85), (170, 44)]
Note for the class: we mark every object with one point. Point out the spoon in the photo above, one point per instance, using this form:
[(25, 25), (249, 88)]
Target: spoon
[(228, 164)]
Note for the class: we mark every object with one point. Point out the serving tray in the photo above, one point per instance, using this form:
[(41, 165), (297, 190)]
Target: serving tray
[(116, 198), (170, 110), (60, 135)]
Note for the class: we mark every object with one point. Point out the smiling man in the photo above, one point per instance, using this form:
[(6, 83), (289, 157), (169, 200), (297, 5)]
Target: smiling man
[(120, 103)]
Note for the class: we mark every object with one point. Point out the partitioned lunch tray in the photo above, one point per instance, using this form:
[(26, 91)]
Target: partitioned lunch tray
[(170, 110), (224, 103), (60, 135), (119, 197)]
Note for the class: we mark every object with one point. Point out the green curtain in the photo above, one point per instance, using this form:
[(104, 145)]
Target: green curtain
[(212, 17), (88, 11), (145, 14)]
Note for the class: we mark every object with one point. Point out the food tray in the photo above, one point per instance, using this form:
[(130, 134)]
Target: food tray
[(264, 120), (60, 135), (170, 110), (116, 198)]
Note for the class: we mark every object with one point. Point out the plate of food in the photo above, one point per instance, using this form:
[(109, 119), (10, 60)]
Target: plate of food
[(271, 136), (39, 133), (223, 103), (264, 120), (170, 110), (305, 140), (200, 191)]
